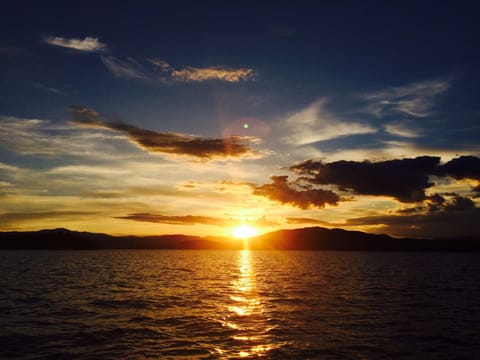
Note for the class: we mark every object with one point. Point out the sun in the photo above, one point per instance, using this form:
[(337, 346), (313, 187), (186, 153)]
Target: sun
[(244, 231)]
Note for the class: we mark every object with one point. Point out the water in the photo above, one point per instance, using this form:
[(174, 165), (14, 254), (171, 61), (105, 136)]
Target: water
[(238, 304)]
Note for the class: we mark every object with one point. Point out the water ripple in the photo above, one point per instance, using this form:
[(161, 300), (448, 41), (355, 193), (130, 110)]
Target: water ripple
[(231, 304)]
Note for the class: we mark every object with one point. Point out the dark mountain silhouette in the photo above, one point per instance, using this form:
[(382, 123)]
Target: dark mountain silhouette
[(315, 238)]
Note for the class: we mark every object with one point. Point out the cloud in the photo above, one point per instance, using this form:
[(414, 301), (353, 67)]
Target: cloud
[(315, 124), (195, 74), (401, 130), (304, 197), (163, 72), (403, 179), (89, 44), (212, 73), (462, 221), (415, 99), (167, 142), (46, 138), (11, 219), (303, 220), (48, 89), (463, 167), (193, 220), (174, 220), (447, 202), (129, 69)]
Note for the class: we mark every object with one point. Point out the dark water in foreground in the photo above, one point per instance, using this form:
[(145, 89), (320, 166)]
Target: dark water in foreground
[(233, 304)]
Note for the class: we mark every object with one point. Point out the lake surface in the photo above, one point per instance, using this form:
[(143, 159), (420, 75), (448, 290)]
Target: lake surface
[(188, 304)]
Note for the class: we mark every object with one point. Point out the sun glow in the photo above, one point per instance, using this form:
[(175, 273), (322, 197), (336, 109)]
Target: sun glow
[(244, 231)]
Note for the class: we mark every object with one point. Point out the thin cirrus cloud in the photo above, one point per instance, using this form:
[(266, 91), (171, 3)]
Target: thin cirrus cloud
[(174, 220), (164, 72), (416, 99), (304, 220), (168, 142), (315, 123), (401, 129), (88, 44), (45, 138), (127, 69), (192, 220)]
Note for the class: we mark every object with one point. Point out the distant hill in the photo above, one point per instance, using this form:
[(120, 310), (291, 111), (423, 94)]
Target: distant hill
[(315, 238)]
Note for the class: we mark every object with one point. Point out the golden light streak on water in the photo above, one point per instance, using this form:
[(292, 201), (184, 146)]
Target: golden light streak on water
[(246, 311)]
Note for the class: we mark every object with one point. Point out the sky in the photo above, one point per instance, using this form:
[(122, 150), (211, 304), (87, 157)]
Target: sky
[(197, 117)]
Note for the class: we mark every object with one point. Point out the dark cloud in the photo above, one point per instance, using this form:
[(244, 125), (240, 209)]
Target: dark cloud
[(452, 223), (460, 203), (193, 219), (167, 142), (441, 202), (435, 202), (285, 192), (404, 179), (463, 167)]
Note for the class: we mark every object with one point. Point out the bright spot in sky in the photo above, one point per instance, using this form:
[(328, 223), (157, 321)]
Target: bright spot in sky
[(245, 126), (244, 231)]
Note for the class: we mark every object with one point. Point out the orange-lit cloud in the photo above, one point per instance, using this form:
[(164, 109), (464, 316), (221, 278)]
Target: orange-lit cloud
[(132, 69), (212, 73), (195, 74)]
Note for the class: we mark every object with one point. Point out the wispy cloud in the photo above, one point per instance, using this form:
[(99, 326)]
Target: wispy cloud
[(175, 220), (401, 129), (88, 44), (45, 138), (129, 69), (48, 89), (9, 219), (193, 220), (304, 220), (316, 123), (168, 142), (415, 99)]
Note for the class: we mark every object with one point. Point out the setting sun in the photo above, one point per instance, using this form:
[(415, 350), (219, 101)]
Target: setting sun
[(244, 231)]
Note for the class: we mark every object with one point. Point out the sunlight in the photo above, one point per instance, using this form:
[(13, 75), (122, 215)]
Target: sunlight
[(244, 231)]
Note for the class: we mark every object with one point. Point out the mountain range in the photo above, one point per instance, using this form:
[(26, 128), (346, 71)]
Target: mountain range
[(314, 238)]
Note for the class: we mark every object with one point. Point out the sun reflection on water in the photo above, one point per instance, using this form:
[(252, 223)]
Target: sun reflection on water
[(246, 313)]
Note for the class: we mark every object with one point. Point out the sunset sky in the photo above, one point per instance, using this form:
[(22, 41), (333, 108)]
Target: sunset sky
[(197, 117)]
